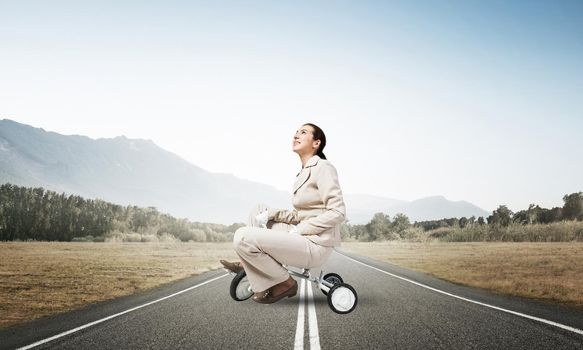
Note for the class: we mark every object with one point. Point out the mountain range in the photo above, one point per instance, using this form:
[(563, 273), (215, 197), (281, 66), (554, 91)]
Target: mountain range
[(138, 172)]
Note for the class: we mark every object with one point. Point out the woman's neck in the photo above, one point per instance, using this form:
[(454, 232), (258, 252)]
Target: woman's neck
[(305, 157)]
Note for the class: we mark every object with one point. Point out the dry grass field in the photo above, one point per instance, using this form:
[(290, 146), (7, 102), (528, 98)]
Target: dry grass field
[(549, 271), (40, 278)]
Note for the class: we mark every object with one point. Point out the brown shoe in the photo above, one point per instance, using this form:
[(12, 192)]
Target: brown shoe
[(268, 297), (235, 267)]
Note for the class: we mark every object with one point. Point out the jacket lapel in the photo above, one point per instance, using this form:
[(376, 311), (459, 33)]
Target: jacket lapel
[(304, 174)]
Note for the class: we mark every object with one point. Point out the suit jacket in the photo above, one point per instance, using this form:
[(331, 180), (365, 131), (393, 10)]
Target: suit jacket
[(319, 209)]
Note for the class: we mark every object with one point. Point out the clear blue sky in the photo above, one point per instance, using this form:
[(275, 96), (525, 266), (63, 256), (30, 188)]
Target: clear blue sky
[(473, 100)]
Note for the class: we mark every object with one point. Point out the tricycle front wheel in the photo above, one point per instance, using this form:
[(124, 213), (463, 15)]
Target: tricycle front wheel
[(240, 287)]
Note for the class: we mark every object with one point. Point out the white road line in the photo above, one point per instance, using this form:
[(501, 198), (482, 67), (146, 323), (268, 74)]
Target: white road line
[(299, 342), (562, 326), (313, 321), (60, 335)]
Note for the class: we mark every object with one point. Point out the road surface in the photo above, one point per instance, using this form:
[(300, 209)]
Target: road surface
[(397, 309)]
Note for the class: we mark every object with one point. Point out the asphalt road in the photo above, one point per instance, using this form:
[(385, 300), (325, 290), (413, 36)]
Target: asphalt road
[(397, 309)]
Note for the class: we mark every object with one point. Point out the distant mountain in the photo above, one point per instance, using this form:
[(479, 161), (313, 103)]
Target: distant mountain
[(127, 171), (438, 207), (138, 172), (362, 207)]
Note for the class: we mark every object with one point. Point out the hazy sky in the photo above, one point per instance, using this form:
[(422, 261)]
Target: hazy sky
[(473, 100)]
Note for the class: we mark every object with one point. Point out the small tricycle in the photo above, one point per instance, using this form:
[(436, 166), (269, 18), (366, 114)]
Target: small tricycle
[(342, 298)]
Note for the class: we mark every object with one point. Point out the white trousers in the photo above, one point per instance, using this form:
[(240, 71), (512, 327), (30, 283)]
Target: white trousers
[(264, 250)]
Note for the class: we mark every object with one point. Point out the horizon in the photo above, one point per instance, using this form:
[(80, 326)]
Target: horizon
[(477, 102), (346, 193)]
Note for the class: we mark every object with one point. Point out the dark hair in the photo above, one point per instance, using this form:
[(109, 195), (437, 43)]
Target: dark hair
[(319, 135)]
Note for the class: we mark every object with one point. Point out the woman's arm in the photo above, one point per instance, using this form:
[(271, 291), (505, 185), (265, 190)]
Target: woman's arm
[(331, 194), (283, 215)]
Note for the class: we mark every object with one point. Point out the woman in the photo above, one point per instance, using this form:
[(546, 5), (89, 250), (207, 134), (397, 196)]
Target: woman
[(318, 212)]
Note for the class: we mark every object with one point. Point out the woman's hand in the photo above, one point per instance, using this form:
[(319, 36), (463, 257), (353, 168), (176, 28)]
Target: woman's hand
[(262, 219)]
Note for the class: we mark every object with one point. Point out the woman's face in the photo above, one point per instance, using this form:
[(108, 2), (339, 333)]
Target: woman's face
[(303, 141)]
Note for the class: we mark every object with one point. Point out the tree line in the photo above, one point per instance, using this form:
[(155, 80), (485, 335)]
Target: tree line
[(502, 224), (44, 215)]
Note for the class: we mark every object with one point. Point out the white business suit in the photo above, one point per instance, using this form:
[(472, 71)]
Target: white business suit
[(319, 212)]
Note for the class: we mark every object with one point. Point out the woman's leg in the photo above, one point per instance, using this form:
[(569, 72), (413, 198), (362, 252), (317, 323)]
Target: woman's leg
[(252, 222), (263, 251)]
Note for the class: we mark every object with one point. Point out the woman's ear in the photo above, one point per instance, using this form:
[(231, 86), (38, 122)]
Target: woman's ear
[(316, 144)]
